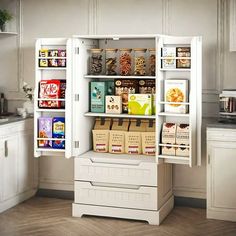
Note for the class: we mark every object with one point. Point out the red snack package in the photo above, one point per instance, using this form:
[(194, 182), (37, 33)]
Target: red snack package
[(49, 89)]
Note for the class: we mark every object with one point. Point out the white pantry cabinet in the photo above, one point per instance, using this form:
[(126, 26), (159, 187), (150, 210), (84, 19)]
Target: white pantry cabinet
[(18, 169), (221, 174)]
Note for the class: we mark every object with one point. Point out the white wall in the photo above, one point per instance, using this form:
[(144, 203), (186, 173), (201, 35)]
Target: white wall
[(58, 18)]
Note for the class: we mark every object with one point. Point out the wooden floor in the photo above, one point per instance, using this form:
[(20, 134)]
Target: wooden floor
[(52, 217)]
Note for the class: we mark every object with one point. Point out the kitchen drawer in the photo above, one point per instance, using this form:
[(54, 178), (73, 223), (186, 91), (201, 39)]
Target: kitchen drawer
[(138, 173), (129, 196)]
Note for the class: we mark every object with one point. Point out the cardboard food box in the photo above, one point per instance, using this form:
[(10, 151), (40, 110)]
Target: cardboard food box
[(168, 63), (183, 63), (113, 104), (140, 104), (117, 136), (182, 152), (58, 131), (168, 133), (133, 140), (147, 86), (182, 134), (169, 151), (154, 104), (110, 87), (45, 131), (168, 52), (149, 139), (123, 88), (176, 91), (183, 51), (98, 92), (101, 134)]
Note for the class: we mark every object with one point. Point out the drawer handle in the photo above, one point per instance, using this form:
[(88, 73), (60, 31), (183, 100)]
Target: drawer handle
[(127, 186), (6, 148)]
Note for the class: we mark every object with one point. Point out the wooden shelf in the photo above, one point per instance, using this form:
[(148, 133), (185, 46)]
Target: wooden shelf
[(118, 77), (172, 114), (119, 115)]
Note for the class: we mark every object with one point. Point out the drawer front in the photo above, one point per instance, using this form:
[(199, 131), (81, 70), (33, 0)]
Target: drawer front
[(143, 173), (116, 196)]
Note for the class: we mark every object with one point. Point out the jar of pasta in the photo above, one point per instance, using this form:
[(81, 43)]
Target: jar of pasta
[(96, 61), (111, 61), (125, 61), (152, 62), (140, 61)]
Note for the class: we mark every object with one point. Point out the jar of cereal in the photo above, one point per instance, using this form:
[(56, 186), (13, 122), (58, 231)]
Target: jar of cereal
[(125, 61), (96, 61), (111, 61), (152, 62), (140, 61)]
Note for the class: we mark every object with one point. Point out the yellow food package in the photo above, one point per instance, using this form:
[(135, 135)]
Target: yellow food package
[(140, 104)]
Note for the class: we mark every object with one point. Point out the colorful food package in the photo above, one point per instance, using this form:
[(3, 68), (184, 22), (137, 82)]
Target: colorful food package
[(140, 104), (62, 92), (113, 104), (176, 91), (125, 61), (52, 62), (61, 62), (168, 52), (168, 63), (53, 53), (147, 86), (183, 63), (183, 51), (58, 131), (149, 139), (43, 53), (182, 151), (133, 141), (117, 136), (49, 89), (182, 134), (154, 104), (98, 91), (169, 151), (110, 87), (45, 131), (101, 134), (43, 63), (61, 53), (168, 133), (123, 88)]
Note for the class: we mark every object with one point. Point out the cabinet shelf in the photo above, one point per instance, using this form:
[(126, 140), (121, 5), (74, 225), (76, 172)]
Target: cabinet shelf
[(119, 115), (189, 58), (175, 159), (118, 77), (173, 145), (175, 69), (53, 139), (49, 150), (51, 57), (50, 99), (177, 103), (50, 110), (51, 68), (173, 114), (8, 33)]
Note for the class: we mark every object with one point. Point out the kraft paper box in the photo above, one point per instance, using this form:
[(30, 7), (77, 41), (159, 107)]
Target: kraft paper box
[(176, 91), (149, 143), (169, 151), (140, 104), (113, 104), (182, 134), (168, 133), (98, 91), (182, 151)]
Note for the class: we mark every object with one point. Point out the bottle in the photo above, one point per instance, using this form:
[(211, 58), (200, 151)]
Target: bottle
[(3, 104)]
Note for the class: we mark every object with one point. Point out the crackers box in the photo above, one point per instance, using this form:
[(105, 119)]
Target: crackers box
[(176, 91), (169, 151), (168, 133), (182, 151), (113, 104), (182, 134), (140, 104), (45, 131), (58, 131)]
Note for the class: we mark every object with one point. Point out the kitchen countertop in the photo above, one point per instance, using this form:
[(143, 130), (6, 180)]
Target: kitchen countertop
[(221, 125), (12, 119)]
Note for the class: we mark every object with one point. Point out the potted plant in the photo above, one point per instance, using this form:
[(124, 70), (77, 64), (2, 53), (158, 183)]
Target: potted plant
[(4, 17)]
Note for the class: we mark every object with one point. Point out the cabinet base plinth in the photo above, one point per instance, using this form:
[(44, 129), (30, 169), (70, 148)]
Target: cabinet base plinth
[(152, 217)]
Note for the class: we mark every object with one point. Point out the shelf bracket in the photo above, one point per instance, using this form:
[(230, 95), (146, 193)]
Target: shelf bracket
[(76, 144), (77, 97)]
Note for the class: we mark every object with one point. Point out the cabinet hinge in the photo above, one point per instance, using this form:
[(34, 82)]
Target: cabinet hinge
[(76, 144), (76, 97), (209, 160), (77, 50)]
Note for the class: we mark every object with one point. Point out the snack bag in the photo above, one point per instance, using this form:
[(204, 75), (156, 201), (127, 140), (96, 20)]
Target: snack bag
[(58, 131), (45, 131)]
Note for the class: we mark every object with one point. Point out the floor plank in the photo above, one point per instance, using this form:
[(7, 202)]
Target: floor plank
[(52, 217)]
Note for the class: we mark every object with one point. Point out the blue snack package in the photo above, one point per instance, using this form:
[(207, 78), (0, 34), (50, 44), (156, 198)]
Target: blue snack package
[(58, 131)]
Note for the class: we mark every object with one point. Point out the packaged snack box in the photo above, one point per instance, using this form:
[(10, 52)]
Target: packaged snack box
[(97, 96), (169, 151), (168, 52), (117, 136), (182, 151), (58, 131), (154, 104), (182, 134), (43, 63), (43, 52), (183, 63), (168, 63), (53, 53), (123, 88), (62, 91), (149, 139), (140, 104), (61, 53), (113, 104), (101, 134), (176, 91), (45, 131), (147, 86), (110, 87), (133, 142), (49, 89), (183, 51), (168, 133)]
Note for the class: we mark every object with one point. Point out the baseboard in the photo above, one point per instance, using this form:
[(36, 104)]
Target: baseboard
[(190, 202), (52, 193)]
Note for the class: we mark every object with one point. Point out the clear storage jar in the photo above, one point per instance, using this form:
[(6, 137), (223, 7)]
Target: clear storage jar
[(111, 61), (96, 61), (125, 61), (152, 62), (140, 61)]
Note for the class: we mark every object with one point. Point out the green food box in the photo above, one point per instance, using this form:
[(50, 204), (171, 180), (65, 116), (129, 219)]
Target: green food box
[(110, 87), (98, 92), (140, 104)]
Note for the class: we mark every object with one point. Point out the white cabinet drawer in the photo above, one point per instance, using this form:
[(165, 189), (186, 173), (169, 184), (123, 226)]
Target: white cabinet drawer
[(117, 196), (142, 173)]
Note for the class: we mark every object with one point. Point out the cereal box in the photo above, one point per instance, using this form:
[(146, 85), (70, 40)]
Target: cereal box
[(168, 52), (113, 104), (58, 131), (49, 89), (176, 91), (182, 134), (45, 131), (140, 104), (168, 133), (147, 86), (123, 88)]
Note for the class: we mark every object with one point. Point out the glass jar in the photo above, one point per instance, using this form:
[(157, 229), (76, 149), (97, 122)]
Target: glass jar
[(111, 61), (96, 61), (152, 62), (125, 61), (140, 61)]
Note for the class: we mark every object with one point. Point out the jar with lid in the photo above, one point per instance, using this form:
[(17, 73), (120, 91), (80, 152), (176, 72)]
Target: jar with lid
[(111, 61), (140, 61), (125, 61), (96, 61), (152, 62)]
